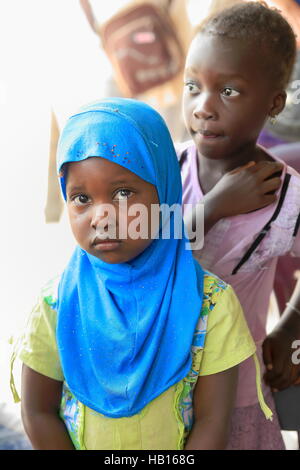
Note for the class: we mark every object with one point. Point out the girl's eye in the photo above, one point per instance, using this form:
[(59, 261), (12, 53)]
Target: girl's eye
[(192, 88), (81, 199), (122, 194), (229, 92)]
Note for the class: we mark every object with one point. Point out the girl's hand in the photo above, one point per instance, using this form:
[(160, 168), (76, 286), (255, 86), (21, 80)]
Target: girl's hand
[(238, 192), (277, 355), (245, 189), (41, 397)]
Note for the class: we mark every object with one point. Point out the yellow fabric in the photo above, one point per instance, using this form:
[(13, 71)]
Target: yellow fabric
[(228, 342), (266, 410), (38, 349), (145, 430)]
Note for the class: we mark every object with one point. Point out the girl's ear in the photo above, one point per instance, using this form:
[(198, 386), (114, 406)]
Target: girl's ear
[(278, 103)]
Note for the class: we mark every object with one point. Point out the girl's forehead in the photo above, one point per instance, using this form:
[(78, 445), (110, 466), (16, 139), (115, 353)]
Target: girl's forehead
[(224, 56), (206, 46)]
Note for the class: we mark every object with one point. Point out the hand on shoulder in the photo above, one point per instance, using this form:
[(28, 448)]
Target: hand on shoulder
[(245, 189)]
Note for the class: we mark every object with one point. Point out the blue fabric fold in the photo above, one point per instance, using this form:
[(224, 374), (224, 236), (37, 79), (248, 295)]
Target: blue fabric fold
[(124, 331)]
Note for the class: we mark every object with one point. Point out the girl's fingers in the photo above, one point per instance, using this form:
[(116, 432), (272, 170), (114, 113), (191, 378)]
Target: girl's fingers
[(281, 382), (294, 374), (267, 355), (282, 375), (267, 169), (278, 378), (271, 185)]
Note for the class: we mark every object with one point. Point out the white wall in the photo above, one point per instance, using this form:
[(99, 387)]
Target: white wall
[(49, 57)]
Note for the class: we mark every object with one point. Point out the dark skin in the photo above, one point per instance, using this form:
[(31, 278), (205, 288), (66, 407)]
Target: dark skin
[(90, 183), (214, 397), (223, 110), (249, 188), (217, 98), (94, 183), (228, 97), (277, 349), (40, 403)]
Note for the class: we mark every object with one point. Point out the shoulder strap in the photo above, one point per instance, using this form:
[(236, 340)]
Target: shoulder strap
[(267, 227), (297, 225), (182, 157)]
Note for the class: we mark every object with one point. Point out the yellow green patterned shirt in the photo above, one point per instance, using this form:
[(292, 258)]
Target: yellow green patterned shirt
[(222, 340)]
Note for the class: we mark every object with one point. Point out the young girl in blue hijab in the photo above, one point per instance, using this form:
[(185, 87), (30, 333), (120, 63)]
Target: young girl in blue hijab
[(134, 346)]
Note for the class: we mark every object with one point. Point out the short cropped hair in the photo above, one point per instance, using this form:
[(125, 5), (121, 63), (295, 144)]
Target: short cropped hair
[(269, 32)]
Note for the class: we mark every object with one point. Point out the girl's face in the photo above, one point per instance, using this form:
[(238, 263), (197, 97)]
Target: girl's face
[(100, 194), (227, 96)]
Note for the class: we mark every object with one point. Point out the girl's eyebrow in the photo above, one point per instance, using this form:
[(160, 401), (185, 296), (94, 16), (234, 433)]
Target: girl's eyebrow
[(74, 188), (124, 182), (232, 76), (191, 70)]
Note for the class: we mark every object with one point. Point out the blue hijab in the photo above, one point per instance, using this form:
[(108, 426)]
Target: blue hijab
[(124, 331)]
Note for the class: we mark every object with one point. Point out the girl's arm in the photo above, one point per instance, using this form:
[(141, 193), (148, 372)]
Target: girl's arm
[(278, 347), (214, 398), (242, 190), (41, 397)]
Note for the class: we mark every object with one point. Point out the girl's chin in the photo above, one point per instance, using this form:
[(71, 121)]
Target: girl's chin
[(216, 150), (212, 154), (113, 256)]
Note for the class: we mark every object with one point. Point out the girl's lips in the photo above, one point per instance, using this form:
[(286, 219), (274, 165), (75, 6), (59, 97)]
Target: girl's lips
[(106, 245), (207, 134), (210, 136)]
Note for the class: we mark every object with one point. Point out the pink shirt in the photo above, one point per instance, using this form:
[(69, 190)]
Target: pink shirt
[(227, 242)]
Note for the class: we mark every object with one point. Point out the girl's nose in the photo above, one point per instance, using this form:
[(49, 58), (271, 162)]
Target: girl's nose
[(204, 108), (103, 216)]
